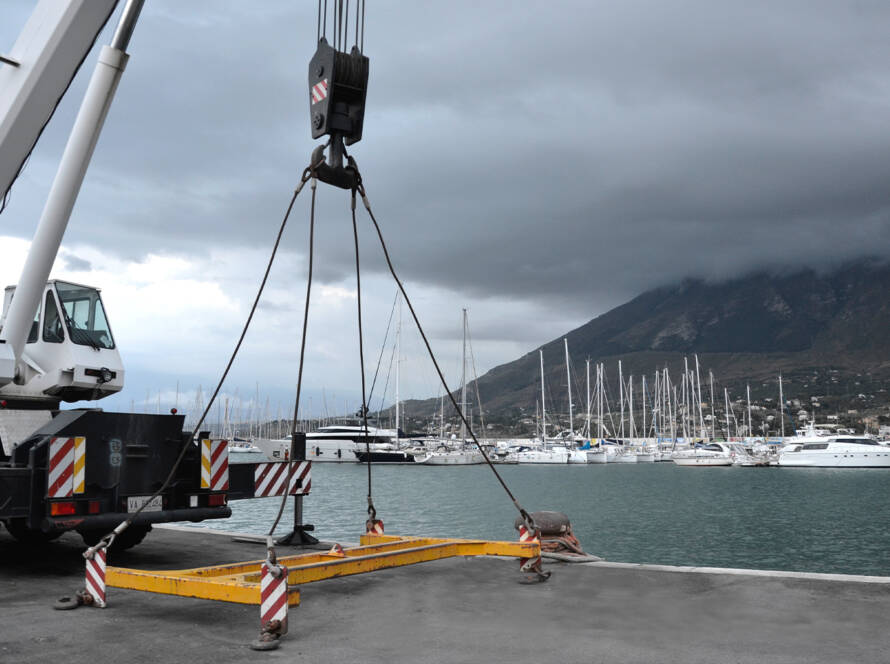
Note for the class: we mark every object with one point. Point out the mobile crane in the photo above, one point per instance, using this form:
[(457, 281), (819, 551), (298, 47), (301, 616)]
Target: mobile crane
[(80, 469)]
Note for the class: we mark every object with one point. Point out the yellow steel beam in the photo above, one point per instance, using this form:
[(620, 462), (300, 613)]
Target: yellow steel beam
[(240, 582), (224, 588)]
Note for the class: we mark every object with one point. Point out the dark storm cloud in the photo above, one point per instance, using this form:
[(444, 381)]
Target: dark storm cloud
[(565, 152)]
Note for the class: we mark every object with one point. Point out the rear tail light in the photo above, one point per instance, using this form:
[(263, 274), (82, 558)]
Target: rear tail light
[(216, 499), (61, 509), (93, 507)]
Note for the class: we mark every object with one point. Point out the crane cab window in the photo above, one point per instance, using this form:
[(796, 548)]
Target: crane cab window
[(35, 328), (52, 322), (84, 315)]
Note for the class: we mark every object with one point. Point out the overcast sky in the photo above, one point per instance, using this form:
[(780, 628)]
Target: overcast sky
[(535, 162)]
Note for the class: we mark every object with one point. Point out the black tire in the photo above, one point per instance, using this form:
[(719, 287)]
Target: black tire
[(18, 528), (132, 536)]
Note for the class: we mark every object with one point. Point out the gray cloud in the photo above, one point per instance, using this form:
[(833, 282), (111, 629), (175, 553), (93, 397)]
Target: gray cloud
[(569, 153)]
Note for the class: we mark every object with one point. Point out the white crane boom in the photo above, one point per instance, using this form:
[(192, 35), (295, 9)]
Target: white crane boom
[(37, 71)]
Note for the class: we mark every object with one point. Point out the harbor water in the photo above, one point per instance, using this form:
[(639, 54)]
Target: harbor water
[(795, 519)]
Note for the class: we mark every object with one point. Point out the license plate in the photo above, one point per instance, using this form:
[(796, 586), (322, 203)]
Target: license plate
[(135, 502)]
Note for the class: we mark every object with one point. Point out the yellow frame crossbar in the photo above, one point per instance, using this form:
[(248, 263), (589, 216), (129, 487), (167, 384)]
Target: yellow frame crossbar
[(240, 582)]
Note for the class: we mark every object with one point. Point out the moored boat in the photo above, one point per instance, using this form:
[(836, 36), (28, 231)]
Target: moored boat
[(836, 452)]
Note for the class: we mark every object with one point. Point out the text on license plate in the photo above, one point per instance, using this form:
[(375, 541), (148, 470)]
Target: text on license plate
[(135, 502)]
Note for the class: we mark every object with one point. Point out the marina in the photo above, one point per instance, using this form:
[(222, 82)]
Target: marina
[(640, 510)]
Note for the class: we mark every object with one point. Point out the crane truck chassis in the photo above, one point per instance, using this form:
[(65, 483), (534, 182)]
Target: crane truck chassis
[(88, 470)]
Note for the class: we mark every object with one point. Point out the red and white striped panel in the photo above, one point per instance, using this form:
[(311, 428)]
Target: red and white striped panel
[(60, 470), (525, 535), (269, 478), (319, 91), (374, 526), (273, 596), (215, 465), (95, 578)]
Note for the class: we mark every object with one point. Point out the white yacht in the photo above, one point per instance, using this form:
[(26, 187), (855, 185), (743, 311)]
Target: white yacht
[(244, 451), (836, 452), (466, 455), (708, 454), (596, 454), (555, 454), (339, 443)]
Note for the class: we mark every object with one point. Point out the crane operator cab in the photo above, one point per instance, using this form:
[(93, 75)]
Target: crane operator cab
[(70, 354)]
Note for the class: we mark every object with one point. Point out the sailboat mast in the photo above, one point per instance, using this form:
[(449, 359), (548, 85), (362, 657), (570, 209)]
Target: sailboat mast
[(673, 417), (398, 363), (711, 406), (543, 408), (726, 403), (599, 400), (645, 433), (630, 407), (701, 419), (781, 407), (442, 416), (621, 397), (588, 398), (749, 411), (565, 343), (463, 383)]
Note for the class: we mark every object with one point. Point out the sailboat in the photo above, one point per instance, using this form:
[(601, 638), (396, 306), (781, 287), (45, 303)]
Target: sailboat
[(464, 455), (595, 454), (574, 455), (544, 454), (377, 445)]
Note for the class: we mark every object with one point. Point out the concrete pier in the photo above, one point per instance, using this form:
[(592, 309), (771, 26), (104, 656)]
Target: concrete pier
[(457, 610)]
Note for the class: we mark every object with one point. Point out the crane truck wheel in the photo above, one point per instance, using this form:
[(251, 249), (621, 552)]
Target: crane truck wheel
[(132, 536), (18, 528)]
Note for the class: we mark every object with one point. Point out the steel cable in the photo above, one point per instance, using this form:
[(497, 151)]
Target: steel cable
[(372, 513), (108, 539), (293, 430), (525, 515)]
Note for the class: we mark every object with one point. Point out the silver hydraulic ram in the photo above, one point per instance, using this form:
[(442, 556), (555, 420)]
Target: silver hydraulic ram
[(65, 188)]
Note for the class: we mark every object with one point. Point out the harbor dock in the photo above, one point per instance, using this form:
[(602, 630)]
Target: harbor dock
[(455, 610)]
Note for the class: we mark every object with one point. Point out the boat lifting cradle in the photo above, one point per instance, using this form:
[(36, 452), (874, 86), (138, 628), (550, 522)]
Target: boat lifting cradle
[(337, 92)]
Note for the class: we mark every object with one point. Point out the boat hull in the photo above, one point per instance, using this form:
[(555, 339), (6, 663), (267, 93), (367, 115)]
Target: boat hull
[(702, 461), (453, 459), (385, 456)]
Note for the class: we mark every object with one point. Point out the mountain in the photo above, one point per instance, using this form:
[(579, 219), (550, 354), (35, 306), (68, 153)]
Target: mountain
[(826, 332)]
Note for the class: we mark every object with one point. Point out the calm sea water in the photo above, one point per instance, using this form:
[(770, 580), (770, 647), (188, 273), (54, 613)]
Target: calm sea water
[(811, 520)]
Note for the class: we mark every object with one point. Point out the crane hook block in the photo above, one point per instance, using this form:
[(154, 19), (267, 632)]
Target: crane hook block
[(338, 85)]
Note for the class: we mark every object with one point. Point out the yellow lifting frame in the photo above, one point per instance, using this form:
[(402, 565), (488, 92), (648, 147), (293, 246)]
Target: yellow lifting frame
[(240, 582)]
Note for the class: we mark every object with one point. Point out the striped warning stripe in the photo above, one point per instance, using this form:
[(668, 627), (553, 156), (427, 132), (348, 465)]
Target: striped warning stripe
[(80, 464), (60, 470), (273, 594), (374, 526), (215, 464), (319, 91), (269, 478), (525, 535), (95, 578)]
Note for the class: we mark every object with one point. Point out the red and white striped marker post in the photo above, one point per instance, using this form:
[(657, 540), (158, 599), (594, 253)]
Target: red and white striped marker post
[(273, 604), (95, 578)]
